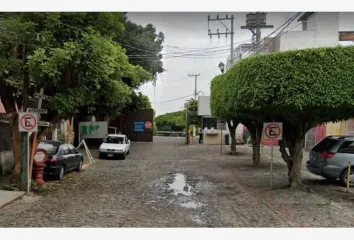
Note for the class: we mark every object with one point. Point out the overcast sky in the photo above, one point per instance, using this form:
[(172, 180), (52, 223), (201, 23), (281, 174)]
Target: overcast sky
[(190, 30)]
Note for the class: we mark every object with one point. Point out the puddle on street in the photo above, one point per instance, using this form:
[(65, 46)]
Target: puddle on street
[(180, 186)]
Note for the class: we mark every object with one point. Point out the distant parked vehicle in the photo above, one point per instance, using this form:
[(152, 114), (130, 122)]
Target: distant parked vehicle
[(330, 158), (61, 158), (114, 145)]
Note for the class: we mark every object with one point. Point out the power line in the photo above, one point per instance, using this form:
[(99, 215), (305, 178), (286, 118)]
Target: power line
[(290, 21), (172, 100), (175, 80)]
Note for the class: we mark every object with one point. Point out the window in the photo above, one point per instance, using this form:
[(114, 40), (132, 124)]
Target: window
[(72, 149), (50, 148), (65, 149), (209, 123), (346, 147), (325, 145), (114, 140)]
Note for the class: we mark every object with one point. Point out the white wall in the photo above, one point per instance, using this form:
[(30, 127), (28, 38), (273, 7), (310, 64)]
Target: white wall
[(204, 106), (322, 32)]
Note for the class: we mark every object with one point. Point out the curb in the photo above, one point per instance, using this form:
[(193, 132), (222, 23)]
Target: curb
[(12, 200)]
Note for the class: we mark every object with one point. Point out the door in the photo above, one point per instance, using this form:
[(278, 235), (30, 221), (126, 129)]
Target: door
[(345, 153), (75, 157), (127, 144), (68, 157)]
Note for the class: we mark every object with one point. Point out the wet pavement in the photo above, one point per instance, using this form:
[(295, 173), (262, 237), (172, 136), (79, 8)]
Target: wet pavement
[(168, 184)]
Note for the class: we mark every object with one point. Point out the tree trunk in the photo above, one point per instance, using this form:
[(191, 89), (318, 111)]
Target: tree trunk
[(256, 132), (232, 128), (296, 156), (16, 149), (287, 159)]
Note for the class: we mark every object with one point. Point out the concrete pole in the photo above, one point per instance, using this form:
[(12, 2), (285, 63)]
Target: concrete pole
[(232, 40), (258, 33)]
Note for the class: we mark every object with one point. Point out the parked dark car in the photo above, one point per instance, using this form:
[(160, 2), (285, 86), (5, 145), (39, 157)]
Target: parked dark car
[(62, 158), (330, 158)]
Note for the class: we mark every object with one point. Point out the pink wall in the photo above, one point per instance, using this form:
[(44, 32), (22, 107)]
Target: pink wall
[(320, 133)]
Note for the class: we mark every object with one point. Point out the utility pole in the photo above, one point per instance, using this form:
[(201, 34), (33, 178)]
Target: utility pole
[(255, 22), (228, 31), (195, 84), (23, 184)]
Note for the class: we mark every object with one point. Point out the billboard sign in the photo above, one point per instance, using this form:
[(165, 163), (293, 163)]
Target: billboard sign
[(139, 126), (93, 129), (204, 106)]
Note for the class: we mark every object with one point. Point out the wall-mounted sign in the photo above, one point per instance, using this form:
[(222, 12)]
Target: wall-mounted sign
[(93, 129), (139, 126), (148, 124), (346, 36)]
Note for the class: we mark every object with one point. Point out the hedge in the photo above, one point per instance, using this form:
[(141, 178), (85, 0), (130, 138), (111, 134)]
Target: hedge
[(314, 83)]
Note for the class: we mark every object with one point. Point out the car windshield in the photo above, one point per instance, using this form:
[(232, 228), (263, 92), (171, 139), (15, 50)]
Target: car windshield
[(115, 140), (325, 145), (50, 148)]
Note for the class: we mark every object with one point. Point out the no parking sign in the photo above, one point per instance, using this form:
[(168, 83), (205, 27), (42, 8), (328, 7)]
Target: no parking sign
[(28, 122)]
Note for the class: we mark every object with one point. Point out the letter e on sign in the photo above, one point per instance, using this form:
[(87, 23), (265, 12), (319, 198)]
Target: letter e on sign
[(28, 122), (273, 131)]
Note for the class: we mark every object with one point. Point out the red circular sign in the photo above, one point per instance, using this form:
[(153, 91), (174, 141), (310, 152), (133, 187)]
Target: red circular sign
[(148, 124), (28, 122), (272, 131)]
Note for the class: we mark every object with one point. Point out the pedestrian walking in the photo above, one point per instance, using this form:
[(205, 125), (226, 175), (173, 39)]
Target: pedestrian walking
[(201, 135)]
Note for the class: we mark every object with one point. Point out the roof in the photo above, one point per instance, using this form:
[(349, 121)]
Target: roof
[(116, 135), (305, 16), (341, 136)]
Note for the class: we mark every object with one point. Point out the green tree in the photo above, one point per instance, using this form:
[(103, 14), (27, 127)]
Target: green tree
[(144, 46), (73, 56), (170, 122), (138, 102), (302, 89), (194, 119), (220, 110)]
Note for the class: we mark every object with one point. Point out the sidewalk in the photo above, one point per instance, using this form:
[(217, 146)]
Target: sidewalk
[(331, 190), (7, 197)]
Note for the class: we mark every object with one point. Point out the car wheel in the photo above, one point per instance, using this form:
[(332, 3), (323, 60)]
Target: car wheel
[(100, 156), (61, 173), (123, 156), (344, 175), (79, 168), (128, 152)]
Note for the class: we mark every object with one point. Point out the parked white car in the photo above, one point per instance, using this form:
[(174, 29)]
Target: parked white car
[(114, 145)]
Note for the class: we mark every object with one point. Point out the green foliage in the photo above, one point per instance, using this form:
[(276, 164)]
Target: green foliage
[(312, 85), (194, 119), (138, 102), (173, 121), (74, 57), (144, 46)]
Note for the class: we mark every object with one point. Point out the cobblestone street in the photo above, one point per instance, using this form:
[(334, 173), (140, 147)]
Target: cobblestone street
[(147, 190)]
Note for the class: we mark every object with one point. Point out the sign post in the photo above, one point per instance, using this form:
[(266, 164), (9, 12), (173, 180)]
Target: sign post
[(28, 122), (272, 131), (221, 125)]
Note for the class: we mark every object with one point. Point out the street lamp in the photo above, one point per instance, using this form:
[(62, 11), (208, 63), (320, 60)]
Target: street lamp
[(222, 67)]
